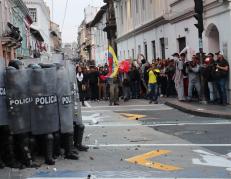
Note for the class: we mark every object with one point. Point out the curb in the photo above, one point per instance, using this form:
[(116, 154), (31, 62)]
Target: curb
[(198, 113)]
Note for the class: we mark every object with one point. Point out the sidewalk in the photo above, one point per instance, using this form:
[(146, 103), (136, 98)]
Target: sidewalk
[(203, 110)]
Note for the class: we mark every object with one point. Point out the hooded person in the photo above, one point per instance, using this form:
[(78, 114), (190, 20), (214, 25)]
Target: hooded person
[(179, 77)]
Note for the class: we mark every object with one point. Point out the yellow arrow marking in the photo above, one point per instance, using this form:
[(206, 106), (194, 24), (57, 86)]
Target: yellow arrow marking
[(143, 160), (132, 116)]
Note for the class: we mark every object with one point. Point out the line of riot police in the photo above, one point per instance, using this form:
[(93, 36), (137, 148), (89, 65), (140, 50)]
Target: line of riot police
[(40, 113)]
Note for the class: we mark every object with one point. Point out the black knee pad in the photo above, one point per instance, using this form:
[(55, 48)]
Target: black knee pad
[(81, 126), (49, 137)]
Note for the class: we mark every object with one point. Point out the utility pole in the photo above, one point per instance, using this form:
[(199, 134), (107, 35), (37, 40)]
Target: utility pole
[(111, 24), (199, 9)]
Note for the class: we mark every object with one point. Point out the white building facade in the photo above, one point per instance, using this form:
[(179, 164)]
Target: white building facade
[(40, 15), (86, 40), (158, 28), (100, 47)]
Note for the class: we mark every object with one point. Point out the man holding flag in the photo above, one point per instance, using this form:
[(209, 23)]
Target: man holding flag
[(113, 79)]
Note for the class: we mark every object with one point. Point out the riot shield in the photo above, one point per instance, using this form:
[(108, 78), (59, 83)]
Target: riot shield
[(3, 107), (44, 109), (64, 100), (18, 99), (75, 93)]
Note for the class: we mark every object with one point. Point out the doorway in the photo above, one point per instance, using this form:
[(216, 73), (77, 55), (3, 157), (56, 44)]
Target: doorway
[(212, 34), (181, 43)]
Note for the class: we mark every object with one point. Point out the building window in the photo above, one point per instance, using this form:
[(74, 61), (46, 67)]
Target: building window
[(146, 50), (133, 54), (154, 49), (33, 14), (181, 43), (121, 14), (143, 4), (126, 9), (139, 49), (162, 47), (137, 6), (130, 8)]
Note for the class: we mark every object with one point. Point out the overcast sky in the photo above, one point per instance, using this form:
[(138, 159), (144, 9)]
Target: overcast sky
[(74, 16)]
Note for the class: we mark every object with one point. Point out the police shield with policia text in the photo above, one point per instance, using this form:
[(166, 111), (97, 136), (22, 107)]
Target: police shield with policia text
[(37, 106)]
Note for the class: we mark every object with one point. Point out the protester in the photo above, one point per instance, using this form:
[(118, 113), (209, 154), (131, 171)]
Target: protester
[(135, 82), (153, 72), (221, 75), (185, 78), (170, 71), (179, 77), (193, 69), (102, 84), (114, 90), (81, 84), (93, 78), (208, 74), (163, 78)]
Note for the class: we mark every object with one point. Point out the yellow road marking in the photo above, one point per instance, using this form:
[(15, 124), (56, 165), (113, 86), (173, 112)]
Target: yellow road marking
[(132, 116), (143, 160)]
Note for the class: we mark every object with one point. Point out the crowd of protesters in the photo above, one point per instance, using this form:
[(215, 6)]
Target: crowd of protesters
[(174, 77)]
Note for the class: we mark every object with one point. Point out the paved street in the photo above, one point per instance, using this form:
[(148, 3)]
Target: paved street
[(147, 141)]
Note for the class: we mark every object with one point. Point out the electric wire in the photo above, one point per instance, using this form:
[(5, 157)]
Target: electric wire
[(65, 13)]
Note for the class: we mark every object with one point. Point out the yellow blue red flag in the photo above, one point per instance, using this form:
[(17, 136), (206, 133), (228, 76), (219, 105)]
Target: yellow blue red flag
[(113, 63)]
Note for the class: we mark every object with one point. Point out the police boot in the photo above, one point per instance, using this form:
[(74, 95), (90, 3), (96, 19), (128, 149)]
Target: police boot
[(25, 155), (57, 145), (32, 146), (2, 165), (9, 157), (49, 144), (78, 137), (68, 147)]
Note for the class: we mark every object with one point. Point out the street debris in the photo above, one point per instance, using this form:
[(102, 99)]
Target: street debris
[(87, 137), (96, 145)]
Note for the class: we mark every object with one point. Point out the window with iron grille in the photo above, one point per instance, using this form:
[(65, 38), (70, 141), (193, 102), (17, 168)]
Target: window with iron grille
[(33, 14)]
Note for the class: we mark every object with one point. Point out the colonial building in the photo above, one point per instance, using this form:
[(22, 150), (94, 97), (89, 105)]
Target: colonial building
[(14, 29), (85, 42), (100, 47), (158, 28), (85, 36), (40, 15), (55, 38), (70, 50)]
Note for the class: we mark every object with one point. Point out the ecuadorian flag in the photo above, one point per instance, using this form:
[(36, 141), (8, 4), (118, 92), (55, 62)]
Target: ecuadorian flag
[(113, 63)]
